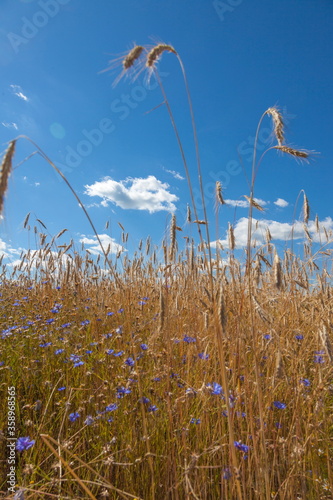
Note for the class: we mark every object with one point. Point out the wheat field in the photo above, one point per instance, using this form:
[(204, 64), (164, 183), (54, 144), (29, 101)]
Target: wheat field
[(182, 371)]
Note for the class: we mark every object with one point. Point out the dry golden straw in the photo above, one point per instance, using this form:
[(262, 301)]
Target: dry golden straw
[(254, 203), (156, 52), (278, 124), (5, 170), (132, 56), (304, 155), (218, 191)]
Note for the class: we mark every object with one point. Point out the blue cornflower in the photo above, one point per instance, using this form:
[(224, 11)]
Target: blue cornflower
[(122, 391), (75, 358), (110, 351), (79, 363), (74, 416), (2, 363), (145, 400), (156, 379), (189, 339), (142, 303), (111, 407), (117, 354), (65, 325), (129, 362), (59, 351), (152, 408), (121, 310), (49, 321), (47, 344), (267, 336), (299, 337), (202, 355), (278, 425), (195, 421), (24, 443), (216, 388), (145, 298), (144, 347), (305, 382), (242, 447), (88, 352), (89, 420), (279, 405), (108, 335), (61, 388), (85, 322), (109, 313), (319, 359), (119, 330)]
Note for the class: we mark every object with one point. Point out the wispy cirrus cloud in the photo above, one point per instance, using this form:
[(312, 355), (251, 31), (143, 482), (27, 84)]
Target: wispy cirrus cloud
[(134, 193), (17, 90)]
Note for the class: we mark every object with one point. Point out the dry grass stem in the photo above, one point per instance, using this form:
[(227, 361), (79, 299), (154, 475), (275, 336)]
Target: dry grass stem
[(156, 53), (5, 170), (278, 124)]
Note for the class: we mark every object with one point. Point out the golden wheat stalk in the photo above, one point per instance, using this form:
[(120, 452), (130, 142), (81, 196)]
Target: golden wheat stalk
[(231, 237), (218, 192), (326, 342), (156, 53), (298, 153), (5, 170), (278, 124), (306, 209), (254, 203)]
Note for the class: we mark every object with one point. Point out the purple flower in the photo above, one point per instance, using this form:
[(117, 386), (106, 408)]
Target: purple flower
[(152, 408), (279, 405), (117, 354), (62, 388), (299, 337), (58, 351), (121, 391), (318, 359), (216, 389), (49, 321), (110, 314), (144, 347), (305, 382), (195, 421), (110, 351), (267, 336), (24, 443), (121, 310), (189, 339), (74, 416), (111, 407), (79, 363), (202, 355), (241, 447), (85, 322), (119, 330), (129, 362), (47, 344), (145, 400)]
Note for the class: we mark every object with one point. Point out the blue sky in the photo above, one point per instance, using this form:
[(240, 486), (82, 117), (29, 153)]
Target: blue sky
[(116, 145)]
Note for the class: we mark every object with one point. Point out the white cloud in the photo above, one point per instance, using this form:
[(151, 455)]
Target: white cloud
[(282, 231), (93, 246), (281, 203), (10, 125), (134, 193), (175, 174), (244, 203), (16, 89)]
